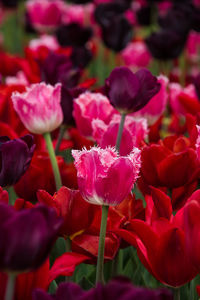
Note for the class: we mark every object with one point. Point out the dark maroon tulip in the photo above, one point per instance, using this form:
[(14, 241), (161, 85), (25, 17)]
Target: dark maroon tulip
[(81, 1), (177, 19), (196, 19), (67, 97), (166, 44), (26, 237), (59, 68), (117, 34), (9, 3), (197, 85), (129, 92), (105, 12), (144, 15), (81, 57), (73, 35), (118, 289), (15, 158)]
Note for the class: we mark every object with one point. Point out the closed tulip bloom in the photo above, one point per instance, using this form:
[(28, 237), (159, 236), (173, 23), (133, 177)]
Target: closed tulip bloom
[(15, 156), (104, 178), (129, 92), (45, 15), (157, 105), (166, 44), (89, 106), (117, 34), (134, 132), (26, 237), (39, 107)]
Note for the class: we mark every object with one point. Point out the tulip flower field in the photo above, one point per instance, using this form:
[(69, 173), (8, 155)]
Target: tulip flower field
[(99, 150)]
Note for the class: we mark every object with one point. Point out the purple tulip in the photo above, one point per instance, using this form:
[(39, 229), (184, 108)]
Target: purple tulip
[(15, 158), (58, 68), (26, 237), (129, 92), (118, 289), (166, 44), (197, 85)]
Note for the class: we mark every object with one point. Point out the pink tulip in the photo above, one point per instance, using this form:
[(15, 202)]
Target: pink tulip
[(39, 107), (193, 46), (136, 55), (134, 132), (156, 106), (19, 79), (89, 106), (46, 14), (198, 142), (104, 178), (45, 40), (73, 14), (175, 90)]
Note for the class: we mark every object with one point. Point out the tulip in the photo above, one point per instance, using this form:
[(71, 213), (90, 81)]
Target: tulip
[(173, 163), (26, 237), (73, 35), (166, 44), (136, 54), (176, 91), (134, 132), (177, 20), (117, 34), (45, 15), (104, 178), (77, 214), (16, 157), (58, 68), (26, 240), (40, 110), (39, 107), (157, 105), (197, 85), (89, 106), (118, 289), (105, 12), (129, 92)]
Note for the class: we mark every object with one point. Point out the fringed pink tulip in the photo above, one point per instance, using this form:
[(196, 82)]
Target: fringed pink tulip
[(134, 132), (156, 106), (104, 177), (89, 106), (39, 107)]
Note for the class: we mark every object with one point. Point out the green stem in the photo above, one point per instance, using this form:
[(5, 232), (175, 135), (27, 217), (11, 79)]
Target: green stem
[(12, 195), (10, 288), (60, 137), (68, 244), (54, 163), (100, 260), (117, 267), (177, 295), (120, 131)]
